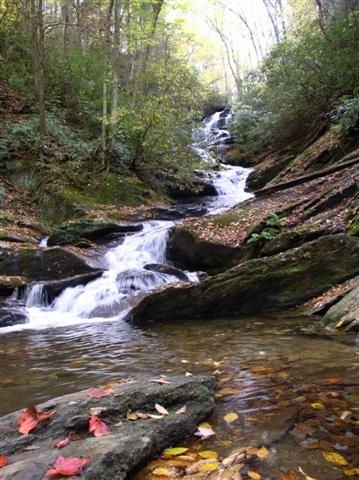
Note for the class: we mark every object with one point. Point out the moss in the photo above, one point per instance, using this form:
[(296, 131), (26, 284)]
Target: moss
[(353, 227), (6, 217)]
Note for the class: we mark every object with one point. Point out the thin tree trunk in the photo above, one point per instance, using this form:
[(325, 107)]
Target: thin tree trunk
[(38, 62)]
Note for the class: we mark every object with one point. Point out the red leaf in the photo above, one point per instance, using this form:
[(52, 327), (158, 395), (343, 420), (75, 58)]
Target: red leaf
[(98, 427), (99, 392), (62, 443), (30, 418), (3, 460), (68, 466)]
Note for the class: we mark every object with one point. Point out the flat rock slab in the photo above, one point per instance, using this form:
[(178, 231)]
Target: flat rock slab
[(130, 443)]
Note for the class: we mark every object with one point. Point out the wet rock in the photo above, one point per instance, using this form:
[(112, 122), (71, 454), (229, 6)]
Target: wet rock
[(344, 315), (167, 269), (12, 316), (8, 284), (179, 211), (130, 442), (187, 250), (53, 288), (261, 285), (44, 264), (201, 188), (89, 229)]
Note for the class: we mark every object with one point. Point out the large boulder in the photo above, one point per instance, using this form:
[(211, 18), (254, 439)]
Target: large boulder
[(8, 284), (265, 284), (131, 442), (344, 315), (89, 229), (188, 250), (44, 264)]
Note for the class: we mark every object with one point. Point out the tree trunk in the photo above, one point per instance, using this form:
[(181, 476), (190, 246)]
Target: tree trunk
[(38, 62)]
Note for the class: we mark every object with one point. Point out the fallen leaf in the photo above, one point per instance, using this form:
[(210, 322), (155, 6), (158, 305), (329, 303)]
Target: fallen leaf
[(161, 409), (307, 477), (230, 417), (262, 453), (31, 448), (175, 451), (208, 454), (167, 472), (62, 443), (291, 475), (153, 415), (204, 432), (253, 475), (3, 460), (30, 418), (68, 466), (181, 410), (131, 416), (335, 458), (97, 427), (208, 467), (161, 381), (188, 374), (351, 472), (317, 406), (99, 392)]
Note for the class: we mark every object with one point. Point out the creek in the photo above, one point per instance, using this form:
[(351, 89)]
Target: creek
[(263, 363)]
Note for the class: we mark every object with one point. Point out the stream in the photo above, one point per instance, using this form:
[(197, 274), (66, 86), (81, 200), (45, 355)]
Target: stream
[(263, 364)]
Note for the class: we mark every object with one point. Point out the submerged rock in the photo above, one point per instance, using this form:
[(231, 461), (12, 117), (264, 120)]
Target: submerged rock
[(130, 443), (44, 264), (261, 285), (10, 316), (89, 229), (167, 270)]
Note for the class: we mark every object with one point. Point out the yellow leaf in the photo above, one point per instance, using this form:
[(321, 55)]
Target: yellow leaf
[(317, 406), (131, 416), (208, 454), (162, 471), (254, 475), (230, 417), (352, 472), (335, 458), (208, 467), (175, 451), (262, 453)]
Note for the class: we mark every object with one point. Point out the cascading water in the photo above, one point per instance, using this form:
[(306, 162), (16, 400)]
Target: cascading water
[(136, 266)]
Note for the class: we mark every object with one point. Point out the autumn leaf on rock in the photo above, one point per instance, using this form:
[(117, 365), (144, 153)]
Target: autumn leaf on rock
[(230, 417), (161, 409), (97, 427), (3, 460), (68, 467), (181, 410), (62, 443), (335, 458), (175, 451), (99, 392), (30, 418)]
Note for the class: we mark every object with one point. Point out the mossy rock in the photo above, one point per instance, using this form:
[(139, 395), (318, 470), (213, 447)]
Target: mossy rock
[(44, 264), (344, 315), (261, 285), (8, 284), (88, 229)]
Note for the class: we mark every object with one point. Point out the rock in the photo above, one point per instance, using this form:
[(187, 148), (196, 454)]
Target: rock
[(260, 285), (88, 229), (187, 250), (53, 288), (44, 264), (10, 316), (167, 269), (344, 315), (202, 188), (8, 284), (131, 442), (179, 211)]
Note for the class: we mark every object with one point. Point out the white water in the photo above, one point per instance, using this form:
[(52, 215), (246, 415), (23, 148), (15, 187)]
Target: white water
[(125, 280)]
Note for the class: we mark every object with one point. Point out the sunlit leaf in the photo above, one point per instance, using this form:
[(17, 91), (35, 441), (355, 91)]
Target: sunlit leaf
[(3, 460), (317, 406), (351, 472), (131, 416), (208, 467), (230, 417), (335, 458), (68, 467), (152, 415), (97, 427), (175, 451), (163, 471), (254, 475), (204, 432), (292, 475), (161, 409), (208, 454), (262, 453)]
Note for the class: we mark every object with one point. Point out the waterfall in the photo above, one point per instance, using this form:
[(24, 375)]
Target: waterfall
[(35, 296)]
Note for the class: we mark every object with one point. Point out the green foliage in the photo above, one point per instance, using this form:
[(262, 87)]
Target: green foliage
[(345, 116), (272, 227), (302, 79)]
